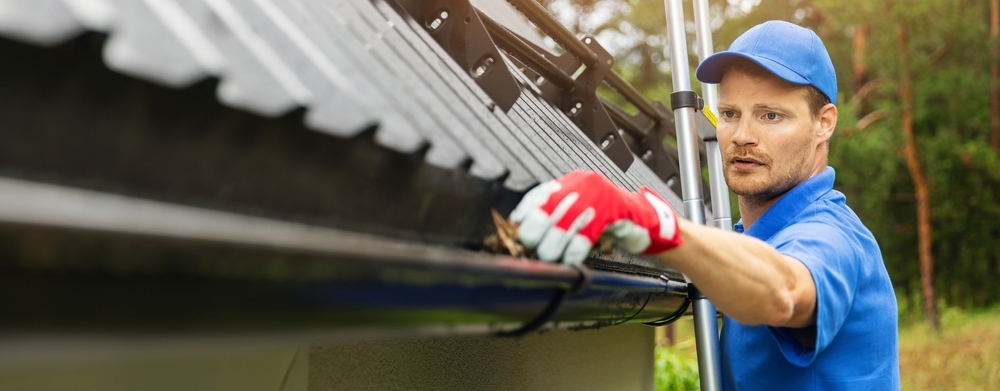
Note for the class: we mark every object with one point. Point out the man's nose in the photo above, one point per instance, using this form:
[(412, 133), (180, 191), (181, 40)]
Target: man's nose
[(744, 134)]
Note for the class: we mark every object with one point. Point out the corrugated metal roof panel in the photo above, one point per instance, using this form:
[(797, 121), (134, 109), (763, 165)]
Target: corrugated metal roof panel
[(352, 64)]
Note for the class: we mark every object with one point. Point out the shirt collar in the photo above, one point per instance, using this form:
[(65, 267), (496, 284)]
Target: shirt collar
[(789, 205)]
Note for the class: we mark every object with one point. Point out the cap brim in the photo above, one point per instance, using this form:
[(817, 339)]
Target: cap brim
[(712, 69)]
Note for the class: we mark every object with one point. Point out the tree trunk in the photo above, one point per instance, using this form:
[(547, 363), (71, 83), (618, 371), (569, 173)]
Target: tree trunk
[(994, 76), (648, 72), (920, 186), (859, 66), (859, 69)]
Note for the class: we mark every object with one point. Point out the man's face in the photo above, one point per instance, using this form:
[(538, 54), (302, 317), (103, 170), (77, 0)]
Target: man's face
[(769, 138)]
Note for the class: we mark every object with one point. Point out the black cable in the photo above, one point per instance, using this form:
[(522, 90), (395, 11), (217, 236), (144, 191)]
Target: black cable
[(600, 324), (672, 317), (691, 292), (580, 285), (547, 314), (648, 296)]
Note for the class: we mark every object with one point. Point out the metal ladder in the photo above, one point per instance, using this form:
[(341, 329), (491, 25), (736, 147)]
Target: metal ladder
[(685, 103)]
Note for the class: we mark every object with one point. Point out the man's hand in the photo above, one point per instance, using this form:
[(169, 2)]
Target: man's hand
[(563, 218)]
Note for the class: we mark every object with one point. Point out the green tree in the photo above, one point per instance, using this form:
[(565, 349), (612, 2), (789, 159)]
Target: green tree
[(944, 59)]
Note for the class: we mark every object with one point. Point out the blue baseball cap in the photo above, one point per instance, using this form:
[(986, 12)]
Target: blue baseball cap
[(791, 52)]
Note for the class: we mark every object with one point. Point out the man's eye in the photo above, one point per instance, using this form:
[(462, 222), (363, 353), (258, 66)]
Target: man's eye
[(729, 114), (771, 116)]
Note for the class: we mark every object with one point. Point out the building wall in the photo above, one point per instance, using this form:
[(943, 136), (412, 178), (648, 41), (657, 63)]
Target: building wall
[(140, 364), (616, 358)]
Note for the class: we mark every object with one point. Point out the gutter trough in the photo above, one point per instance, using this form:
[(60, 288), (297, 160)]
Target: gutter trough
[(76, 261)]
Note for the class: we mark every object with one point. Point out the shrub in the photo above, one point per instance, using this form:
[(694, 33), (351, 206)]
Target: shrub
[(675, 369)]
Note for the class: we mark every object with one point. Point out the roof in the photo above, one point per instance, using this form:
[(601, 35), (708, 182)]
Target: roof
[(352, 65)]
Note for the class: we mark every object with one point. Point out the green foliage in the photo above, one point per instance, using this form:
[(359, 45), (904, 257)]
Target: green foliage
[(965, 191), (947, 62), (675, 370), (964, 177)]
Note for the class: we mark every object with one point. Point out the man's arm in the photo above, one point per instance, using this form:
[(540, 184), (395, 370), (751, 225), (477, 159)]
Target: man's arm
[(744, 277)]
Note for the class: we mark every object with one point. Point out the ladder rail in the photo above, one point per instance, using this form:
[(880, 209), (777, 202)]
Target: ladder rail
[(705, 315), (721, 212)]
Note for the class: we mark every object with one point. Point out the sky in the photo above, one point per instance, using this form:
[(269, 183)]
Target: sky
[(602, 11)]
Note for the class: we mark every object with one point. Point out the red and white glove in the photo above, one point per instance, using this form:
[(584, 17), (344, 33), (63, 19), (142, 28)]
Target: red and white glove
[(563, 218)]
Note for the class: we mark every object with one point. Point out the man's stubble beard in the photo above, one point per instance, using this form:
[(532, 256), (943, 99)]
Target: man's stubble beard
[(769, 182)]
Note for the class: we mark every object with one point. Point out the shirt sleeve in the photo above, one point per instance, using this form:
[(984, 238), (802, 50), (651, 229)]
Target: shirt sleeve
[(832, 259)]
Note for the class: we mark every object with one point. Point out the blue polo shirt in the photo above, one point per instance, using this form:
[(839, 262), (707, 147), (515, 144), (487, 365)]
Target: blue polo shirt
[(856, 344)]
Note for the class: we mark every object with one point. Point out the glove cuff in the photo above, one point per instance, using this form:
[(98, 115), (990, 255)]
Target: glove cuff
[(664, 231)]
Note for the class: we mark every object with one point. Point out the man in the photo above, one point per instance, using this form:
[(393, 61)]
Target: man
[(807, 301)]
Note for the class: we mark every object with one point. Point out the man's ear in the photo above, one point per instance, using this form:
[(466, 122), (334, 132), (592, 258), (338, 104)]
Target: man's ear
[(827, 122)]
